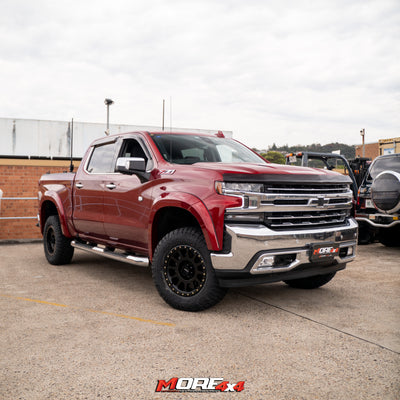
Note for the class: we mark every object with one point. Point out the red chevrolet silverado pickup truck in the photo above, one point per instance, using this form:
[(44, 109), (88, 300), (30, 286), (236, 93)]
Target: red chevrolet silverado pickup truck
[(203, 211)]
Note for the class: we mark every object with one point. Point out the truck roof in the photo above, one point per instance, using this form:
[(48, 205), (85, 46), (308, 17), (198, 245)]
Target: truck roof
[(115, 136)]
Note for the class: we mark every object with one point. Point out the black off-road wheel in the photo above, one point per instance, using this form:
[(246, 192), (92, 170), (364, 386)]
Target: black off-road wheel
[(57, 247), (183, 273), (311, 282)]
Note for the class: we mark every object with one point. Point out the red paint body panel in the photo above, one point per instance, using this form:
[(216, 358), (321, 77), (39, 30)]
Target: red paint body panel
[(126, 219), (88, 212), (57, 190)]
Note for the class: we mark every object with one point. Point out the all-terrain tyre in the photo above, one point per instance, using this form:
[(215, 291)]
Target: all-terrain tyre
[(366, 234), (390, 237), (311, 282), (183, 273), (57, 247)]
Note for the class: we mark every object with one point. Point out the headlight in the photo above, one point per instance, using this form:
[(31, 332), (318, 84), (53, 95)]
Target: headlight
[(229, 187)]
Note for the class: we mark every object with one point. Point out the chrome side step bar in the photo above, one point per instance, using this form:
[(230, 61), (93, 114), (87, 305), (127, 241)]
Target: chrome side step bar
[(128, 258)]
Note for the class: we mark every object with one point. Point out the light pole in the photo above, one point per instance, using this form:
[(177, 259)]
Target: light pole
[(362, 133), (108, 103)]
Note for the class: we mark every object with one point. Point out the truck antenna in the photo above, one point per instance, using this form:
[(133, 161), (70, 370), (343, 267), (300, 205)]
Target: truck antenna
[(170, 113), (71, 165), (108, 103), (163, 112)]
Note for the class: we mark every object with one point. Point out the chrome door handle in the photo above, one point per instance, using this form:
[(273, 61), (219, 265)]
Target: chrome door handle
[(111, 186), (79, 185)]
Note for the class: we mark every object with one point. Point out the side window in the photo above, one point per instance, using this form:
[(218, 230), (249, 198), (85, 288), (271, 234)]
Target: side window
[(131, 148), (102, 159)]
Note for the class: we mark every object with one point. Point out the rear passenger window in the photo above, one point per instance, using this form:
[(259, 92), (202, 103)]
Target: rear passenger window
[(102, 159)]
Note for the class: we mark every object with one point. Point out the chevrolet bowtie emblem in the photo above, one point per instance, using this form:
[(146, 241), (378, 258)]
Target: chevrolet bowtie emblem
[(321, 201)]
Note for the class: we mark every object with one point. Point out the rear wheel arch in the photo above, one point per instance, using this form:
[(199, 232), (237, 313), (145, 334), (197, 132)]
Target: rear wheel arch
[(57, 247), (48, 209)]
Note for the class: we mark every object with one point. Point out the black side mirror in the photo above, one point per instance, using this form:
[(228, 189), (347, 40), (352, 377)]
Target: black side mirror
[(131, 165)]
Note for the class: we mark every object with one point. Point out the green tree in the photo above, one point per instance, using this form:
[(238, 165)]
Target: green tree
[(345, 150), (274, 157)]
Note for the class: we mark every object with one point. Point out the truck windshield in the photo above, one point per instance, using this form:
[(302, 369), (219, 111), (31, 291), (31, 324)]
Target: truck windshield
[(191, 149)]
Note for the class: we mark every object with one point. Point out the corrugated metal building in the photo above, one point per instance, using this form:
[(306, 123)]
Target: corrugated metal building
[(38, 138), (31, 148)]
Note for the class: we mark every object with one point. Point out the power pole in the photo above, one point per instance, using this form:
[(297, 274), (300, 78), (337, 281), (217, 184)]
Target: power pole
[(163, 112), (362, 133)]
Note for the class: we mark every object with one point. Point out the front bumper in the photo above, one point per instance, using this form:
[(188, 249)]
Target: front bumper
[(260, 255)]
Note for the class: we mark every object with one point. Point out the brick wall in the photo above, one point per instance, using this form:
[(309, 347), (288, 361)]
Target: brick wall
[(19, 205), (371, 150)]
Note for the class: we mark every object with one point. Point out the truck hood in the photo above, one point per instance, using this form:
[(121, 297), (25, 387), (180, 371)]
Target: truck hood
[(271, 172)]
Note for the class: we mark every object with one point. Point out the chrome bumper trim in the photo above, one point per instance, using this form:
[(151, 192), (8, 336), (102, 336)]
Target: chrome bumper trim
[(376, 225), (249, 240)]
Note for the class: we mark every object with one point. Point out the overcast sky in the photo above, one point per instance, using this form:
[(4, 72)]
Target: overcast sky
[(284, 72)]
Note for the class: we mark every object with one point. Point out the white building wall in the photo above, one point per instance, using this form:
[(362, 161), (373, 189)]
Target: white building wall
[(38, 138)]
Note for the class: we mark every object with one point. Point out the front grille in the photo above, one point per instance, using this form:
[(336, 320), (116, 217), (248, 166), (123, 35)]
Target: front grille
[(306, 206), (297, 206), (304, 220), (305, 189)]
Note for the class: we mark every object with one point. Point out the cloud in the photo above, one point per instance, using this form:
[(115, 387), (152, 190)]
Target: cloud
[(284, 72)]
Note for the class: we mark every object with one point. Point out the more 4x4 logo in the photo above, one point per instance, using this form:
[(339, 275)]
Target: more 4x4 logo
[(198, 385)]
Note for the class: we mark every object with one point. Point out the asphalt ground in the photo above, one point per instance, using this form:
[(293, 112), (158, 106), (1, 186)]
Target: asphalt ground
[(97, 329)]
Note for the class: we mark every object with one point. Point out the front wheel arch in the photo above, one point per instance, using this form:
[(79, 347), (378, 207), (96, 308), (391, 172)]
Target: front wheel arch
[(168, 219), (195, 214)]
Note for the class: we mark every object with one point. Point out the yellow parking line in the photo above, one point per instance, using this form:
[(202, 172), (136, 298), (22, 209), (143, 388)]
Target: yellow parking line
[(150, 321), (33, 301), (135, 318)]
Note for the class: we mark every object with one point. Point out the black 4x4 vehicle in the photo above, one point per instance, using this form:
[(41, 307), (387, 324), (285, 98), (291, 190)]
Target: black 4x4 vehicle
[(378, 204)]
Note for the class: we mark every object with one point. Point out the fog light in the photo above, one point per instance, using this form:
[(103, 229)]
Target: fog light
[(247, 217), (350, 251), (267, 261)]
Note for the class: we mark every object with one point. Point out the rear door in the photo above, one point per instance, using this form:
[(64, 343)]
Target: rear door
[(88, 215)]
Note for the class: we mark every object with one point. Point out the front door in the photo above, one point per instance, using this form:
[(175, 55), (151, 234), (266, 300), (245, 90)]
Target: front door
[(127, 202)]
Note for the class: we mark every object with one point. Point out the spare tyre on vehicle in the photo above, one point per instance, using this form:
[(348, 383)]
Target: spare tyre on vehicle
[(385, 192), (385, 196), (378, 203)]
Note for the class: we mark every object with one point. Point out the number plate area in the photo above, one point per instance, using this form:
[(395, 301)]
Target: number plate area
[(369, 203), (323, 251)]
